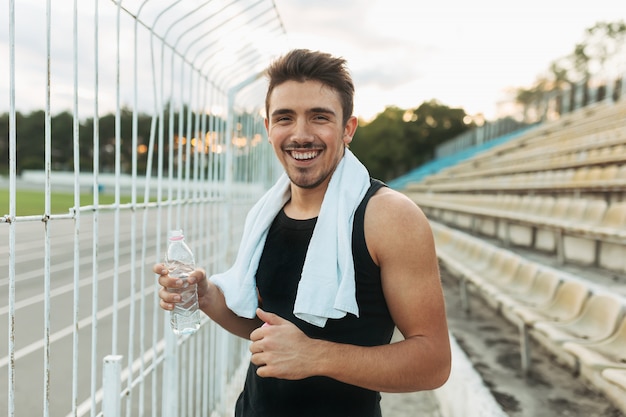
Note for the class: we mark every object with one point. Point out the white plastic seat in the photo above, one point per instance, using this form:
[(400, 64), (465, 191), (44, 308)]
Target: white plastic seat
[(545, 239), (613, 385), (581, 249), (607, 353)]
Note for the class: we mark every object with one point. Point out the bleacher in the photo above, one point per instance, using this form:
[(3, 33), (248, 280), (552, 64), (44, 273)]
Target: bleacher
[(536, 226)]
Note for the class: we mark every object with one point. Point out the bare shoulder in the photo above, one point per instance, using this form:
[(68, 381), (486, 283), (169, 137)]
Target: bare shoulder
[(393, 221), (389, 207)]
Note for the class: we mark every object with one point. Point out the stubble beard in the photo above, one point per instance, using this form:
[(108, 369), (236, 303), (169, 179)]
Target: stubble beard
[(301, 179)]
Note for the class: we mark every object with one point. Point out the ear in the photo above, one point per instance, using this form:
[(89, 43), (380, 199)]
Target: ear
[(350, 130), (267, 129)]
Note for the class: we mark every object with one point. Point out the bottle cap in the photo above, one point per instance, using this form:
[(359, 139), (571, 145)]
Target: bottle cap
[(176, 234)]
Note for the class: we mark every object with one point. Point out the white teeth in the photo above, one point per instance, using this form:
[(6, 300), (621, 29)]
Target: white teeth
[(301, 156)]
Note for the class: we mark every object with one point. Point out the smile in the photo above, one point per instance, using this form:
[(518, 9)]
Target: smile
[(304, 155)]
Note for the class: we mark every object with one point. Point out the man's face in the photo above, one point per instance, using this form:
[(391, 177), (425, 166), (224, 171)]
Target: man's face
[(305, 128)]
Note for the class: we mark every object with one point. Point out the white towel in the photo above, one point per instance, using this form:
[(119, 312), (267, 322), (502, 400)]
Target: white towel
[(327, 287)]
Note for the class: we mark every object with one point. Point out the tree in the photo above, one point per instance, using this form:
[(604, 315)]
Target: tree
[(398, 140), (600, 55)]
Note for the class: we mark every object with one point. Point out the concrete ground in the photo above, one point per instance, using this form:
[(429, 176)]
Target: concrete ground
[(422, 404), (492, 345)]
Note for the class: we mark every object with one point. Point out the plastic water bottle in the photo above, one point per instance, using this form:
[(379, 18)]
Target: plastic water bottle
[(185, 318)]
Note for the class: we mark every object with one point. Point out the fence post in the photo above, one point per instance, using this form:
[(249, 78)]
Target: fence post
[(171, 378), (111, 385)]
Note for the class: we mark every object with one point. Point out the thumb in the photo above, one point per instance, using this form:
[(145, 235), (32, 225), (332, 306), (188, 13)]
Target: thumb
[(269, 318)]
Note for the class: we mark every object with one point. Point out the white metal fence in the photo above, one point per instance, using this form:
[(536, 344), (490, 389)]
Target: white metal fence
[(84, 334)]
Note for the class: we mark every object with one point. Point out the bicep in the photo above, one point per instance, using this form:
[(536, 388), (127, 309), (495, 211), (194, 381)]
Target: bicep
[(404, 248)]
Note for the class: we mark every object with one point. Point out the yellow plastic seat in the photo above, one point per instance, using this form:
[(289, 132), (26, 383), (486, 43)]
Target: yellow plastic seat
[(580, 177), (501, 273), (566, 305), (503, 269), (597, 321), (609, 173), (541, 291), (521, 283), (614, 218)]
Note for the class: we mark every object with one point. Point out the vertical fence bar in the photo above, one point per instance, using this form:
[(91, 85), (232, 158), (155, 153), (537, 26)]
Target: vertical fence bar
[(76, 214), (47, 251), (133, 238), (111, 386), (200, 147), (95, 215), (12, 186), (96, 212)]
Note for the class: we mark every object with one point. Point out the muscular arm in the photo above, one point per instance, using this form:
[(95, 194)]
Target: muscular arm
[(210, 299), (400, 241)]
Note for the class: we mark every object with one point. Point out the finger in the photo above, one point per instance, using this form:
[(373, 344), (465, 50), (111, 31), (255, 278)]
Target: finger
[(255, 348), (169, 282), (258, 359), (269, 318), (166, 306), (257, 334), (169, 297), (263, 371), (196, 276), (160, 269)]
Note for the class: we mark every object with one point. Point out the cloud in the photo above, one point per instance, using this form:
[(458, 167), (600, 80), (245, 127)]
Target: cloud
[(399, 51)]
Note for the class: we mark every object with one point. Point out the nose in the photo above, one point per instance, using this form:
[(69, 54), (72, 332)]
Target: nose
[(302, 133)]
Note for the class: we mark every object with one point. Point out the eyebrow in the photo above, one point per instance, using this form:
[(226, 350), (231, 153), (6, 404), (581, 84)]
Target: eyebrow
[(313, 110)]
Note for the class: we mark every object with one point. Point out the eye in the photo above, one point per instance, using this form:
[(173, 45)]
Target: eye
[(282, 119)]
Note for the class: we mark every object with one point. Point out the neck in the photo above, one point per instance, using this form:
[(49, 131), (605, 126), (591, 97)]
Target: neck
[(305, 203)]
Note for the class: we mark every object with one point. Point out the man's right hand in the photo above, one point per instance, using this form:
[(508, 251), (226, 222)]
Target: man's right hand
[(169, 299)]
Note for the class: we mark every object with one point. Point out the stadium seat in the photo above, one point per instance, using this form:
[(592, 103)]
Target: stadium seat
[(598, 320), (581, 249), (621, 172), (504, 268), (546, 239), (612, 254), (541, 291), (609, 173), (615, 386), (566, 305), (594, 357), (522, 234), (580, 177), (521, 283)]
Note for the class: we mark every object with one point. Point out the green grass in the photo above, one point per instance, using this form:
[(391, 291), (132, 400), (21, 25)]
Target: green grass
[(29, 202)]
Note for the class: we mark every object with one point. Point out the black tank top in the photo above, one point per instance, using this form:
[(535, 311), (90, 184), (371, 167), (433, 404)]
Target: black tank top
[(277, 279)]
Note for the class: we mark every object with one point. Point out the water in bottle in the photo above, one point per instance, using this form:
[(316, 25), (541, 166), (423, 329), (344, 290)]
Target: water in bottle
[(185, 318)]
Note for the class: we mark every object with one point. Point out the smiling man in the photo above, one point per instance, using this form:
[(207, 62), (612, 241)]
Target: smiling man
[(331, 262)]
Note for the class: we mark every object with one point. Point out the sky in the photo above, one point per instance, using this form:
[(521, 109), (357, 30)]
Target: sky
[(462, 53), (400, 52)]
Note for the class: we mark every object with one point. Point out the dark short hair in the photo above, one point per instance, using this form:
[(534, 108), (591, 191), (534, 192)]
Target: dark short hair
[(303, 65)]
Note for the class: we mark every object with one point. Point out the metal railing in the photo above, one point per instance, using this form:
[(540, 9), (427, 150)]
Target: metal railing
[(551, 105), (79, 304)]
